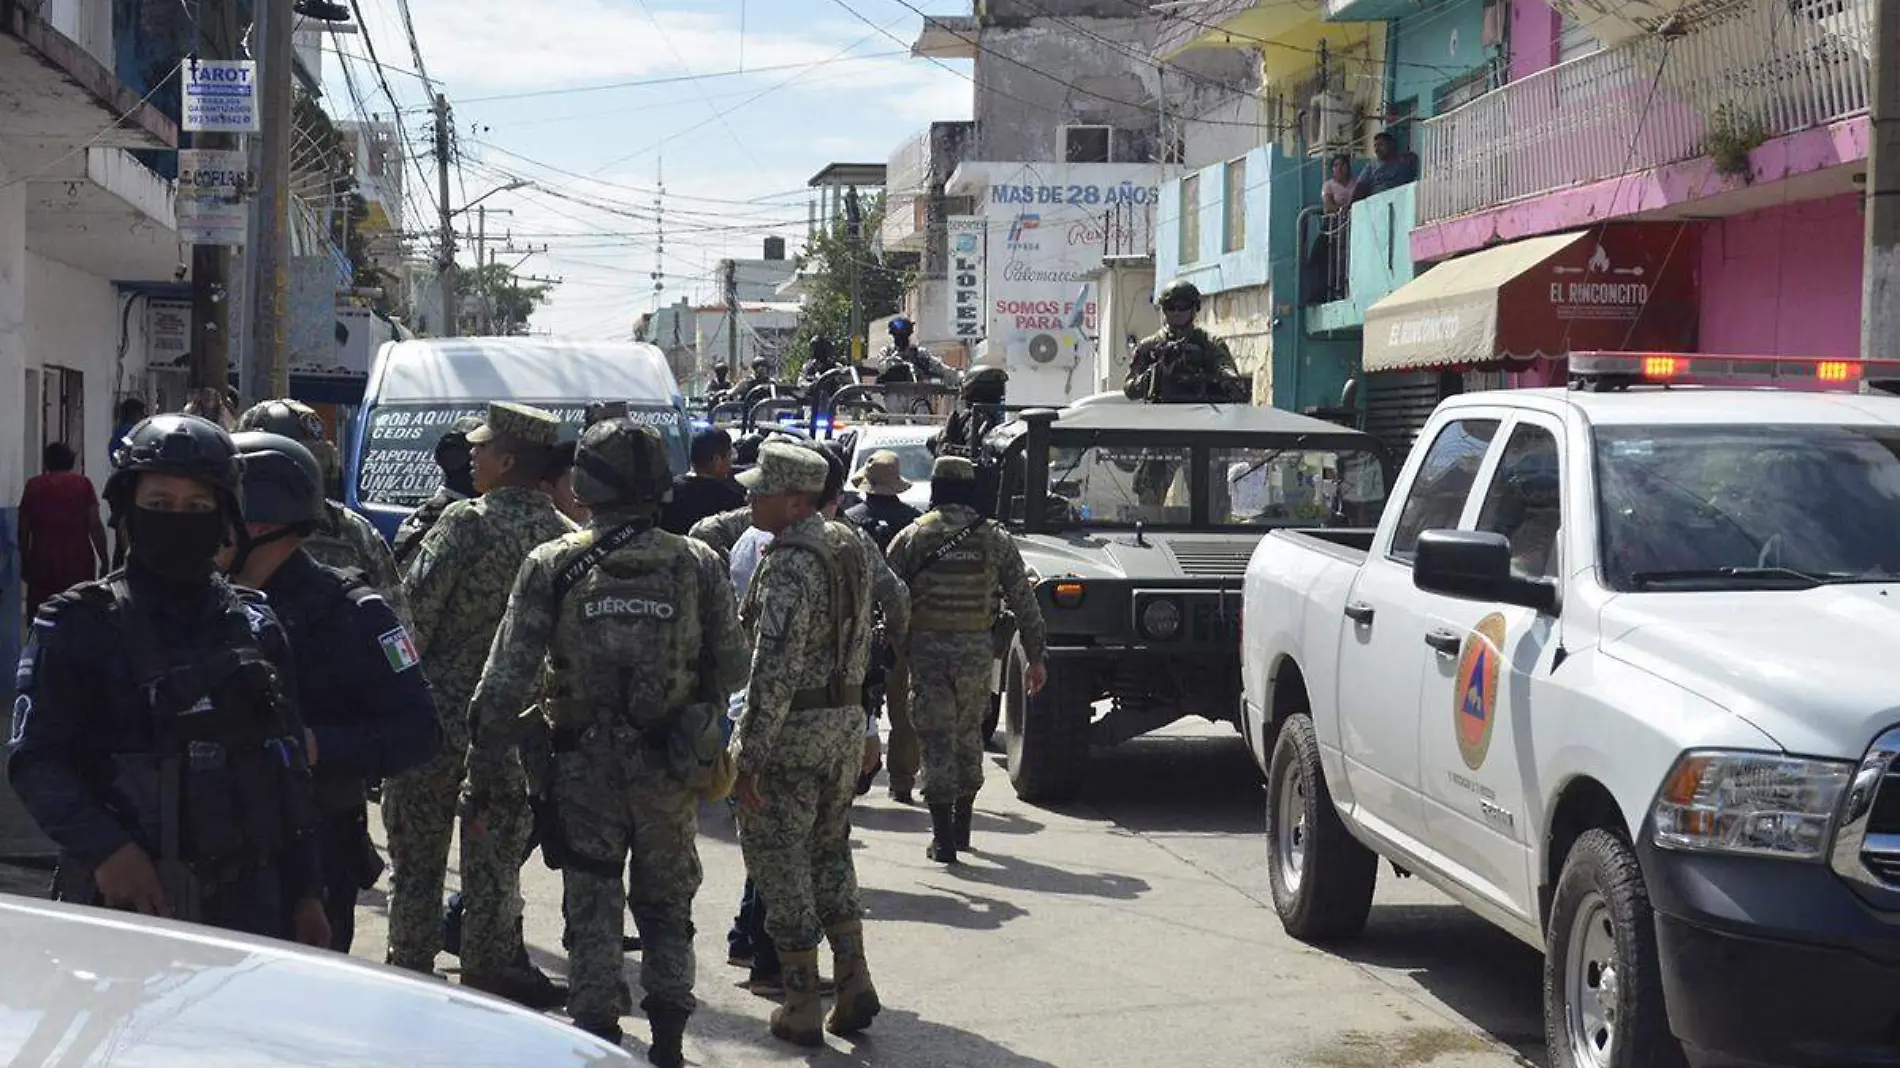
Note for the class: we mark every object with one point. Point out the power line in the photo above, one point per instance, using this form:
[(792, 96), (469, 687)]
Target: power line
[(674, 79), (699, 87)]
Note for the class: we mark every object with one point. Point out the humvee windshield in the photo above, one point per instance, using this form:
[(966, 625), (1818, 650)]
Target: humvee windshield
[(1115, 485)]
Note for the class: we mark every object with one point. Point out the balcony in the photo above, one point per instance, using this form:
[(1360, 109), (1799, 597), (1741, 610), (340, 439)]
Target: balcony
[(1739, 77), (1374, 260)]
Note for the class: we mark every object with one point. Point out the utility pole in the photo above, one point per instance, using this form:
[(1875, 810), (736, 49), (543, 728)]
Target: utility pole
[(854, 234), (211, 264), (266, 371), (445, 257), (482, 280), (732, 313), (1880, 286)]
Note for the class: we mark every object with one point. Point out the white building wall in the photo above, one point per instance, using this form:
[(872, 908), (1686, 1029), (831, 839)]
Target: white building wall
[(74, 321)]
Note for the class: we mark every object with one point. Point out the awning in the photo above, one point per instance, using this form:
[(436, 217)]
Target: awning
[(1620, 287)]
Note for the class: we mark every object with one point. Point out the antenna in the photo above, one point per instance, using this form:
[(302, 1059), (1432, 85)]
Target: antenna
[(659, 230)]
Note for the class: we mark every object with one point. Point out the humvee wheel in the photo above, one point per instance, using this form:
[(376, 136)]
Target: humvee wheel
[(1047, 735)]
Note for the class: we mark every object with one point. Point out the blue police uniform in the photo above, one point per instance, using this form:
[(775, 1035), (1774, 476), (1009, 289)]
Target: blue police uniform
[(363, 695), (121, 672)]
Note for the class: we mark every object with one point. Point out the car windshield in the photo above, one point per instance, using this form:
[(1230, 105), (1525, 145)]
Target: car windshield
[(1120, 485), (398, 466), (913, 458), (1748, 507)]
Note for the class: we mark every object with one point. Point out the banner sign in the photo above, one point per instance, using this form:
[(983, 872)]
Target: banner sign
[(221, 96), (210, 203), (968, 322)]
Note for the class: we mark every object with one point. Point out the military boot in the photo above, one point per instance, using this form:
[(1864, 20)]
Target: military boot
[(960, 821), (669, 1033), (606, 1031), (857, 998), (529, 987), (943, 835), (800, 1020)]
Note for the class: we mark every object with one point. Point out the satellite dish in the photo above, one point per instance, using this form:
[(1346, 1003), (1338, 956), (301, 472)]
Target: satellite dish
[(1043, 348)]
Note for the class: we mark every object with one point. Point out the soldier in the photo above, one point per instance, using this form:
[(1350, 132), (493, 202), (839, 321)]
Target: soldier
[(800, 739), (458, 590), (458, 483), (903, 361), (722, 531), (344, 540), (982, 395), (721, 384), (360, 689), (154, 737), (882, 515), (954, 561), (1182, 362), (640, 632)]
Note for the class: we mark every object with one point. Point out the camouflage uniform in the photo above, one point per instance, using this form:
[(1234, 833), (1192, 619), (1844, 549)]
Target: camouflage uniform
[(458, 590), (953, 592), (347, 541), (722, 531), (1168, 364), (648, 630), (417, 523), (800, 739)]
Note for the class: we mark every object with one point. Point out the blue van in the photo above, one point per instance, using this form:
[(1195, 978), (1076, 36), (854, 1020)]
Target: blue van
[(417, 389)]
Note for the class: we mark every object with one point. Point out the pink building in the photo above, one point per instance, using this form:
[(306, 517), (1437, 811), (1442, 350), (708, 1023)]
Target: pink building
[(1741, 126)]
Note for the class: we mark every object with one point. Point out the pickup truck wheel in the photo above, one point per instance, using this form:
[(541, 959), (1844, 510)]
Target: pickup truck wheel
[(1603, 993), (1322, 878), (1047, 735)]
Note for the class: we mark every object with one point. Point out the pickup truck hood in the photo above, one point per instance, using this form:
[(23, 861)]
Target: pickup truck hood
[(1117, 555), (1815, 670)]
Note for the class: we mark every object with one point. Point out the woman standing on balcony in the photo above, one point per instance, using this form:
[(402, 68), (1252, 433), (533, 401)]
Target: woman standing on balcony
[(1326, 264)]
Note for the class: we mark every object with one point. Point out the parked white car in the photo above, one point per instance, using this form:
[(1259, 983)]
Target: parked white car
[(85, 986), (913, 458), (1617, 672)]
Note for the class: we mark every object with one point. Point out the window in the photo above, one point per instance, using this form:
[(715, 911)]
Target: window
[(1109, 485), (1291, 487), (1234, 206), (1086, 144), (1190, 218), (1523, 503), (1444, 480)]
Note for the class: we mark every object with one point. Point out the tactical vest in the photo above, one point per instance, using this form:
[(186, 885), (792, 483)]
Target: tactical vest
[(308, 620), (212, 791), (955, 591), (841, 554), (627, 635)]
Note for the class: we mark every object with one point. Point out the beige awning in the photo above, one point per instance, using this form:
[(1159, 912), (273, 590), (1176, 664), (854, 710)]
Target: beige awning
[(1448, 316)]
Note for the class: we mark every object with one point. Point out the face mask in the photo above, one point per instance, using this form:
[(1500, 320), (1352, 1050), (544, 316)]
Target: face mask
[(176, 545)]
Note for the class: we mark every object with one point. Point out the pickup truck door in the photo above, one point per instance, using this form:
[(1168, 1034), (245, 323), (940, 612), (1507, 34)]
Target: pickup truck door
[(1382, 645), (1484, 664)]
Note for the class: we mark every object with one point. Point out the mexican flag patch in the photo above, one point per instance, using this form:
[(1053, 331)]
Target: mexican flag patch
[(400, 649)]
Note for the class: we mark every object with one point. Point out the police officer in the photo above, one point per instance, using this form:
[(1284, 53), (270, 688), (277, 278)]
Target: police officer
[(1182, 362), (800, 739), (641, 635), (458, 484), (881, 515), (954, 561), (721, 383), (458, 590), (903, 361), (154, 736), (343, 540), (359, 684)]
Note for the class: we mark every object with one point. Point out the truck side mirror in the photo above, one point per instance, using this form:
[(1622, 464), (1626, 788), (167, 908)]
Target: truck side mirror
[(1475, 565)]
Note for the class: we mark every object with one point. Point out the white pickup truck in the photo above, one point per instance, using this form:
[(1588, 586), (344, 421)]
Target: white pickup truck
[(1618, 670)]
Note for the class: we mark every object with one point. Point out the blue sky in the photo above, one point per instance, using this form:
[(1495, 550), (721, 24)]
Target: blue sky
[(526, 79)]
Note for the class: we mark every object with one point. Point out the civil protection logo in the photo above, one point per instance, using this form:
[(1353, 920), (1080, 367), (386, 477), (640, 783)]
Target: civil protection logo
[(1475, 700)]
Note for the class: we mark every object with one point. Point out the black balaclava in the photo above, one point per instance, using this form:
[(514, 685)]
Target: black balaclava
[(176, 546)]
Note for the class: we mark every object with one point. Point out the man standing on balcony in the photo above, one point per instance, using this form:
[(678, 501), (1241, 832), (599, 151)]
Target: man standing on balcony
[(1389, 168)]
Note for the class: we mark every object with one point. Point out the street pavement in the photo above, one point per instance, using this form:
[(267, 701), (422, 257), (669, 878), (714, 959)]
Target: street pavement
[(1131, 928)]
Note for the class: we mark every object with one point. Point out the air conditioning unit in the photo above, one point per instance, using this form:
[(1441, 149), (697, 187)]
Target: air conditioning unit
[(1044, 350), (1087, 144), (1329, 121)]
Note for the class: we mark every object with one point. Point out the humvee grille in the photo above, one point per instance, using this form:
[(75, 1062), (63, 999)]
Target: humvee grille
[(1211, 559)]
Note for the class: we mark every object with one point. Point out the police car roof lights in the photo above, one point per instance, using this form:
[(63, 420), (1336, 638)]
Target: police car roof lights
[(1604, 371)]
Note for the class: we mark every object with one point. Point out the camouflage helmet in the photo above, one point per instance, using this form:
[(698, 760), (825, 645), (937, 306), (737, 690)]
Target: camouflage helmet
[(986, 385), (621, 463), (300, 423), (1179, 291)]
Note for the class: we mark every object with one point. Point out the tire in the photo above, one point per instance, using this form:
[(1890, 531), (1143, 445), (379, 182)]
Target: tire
[(1322, 878), (1602, 933), (1047, 735)]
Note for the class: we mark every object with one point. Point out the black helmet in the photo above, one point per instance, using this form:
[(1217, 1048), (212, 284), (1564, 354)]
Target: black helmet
[(821, 346), (184, 445), (986, 385), (621, 462), (283, 484), (1180, 293), (721, 367), (901, 325), (300, 423)]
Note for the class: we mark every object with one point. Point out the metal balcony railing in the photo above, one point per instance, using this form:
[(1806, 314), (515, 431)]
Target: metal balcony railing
[(1736, 77)]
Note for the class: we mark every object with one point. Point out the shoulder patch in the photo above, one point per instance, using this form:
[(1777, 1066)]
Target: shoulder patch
[(399, 649), (22, 711)]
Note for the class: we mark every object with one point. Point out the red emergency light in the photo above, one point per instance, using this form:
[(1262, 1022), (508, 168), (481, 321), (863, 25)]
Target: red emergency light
[(1620, 370)]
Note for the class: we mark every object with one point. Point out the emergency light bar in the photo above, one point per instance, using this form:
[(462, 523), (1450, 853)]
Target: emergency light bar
[(1599, 371)]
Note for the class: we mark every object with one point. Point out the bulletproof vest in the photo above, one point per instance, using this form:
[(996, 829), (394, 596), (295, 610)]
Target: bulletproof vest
[(954, 590), (880, 526), (627, 635), (211, 792), (409, 535), (312, 620), (331, 545), (841, 554)]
